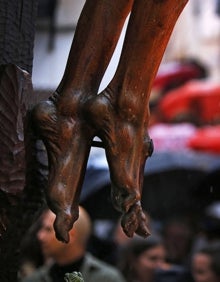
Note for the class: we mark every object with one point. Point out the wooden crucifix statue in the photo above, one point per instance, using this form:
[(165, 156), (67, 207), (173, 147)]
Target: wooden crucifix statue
[(119, 115)]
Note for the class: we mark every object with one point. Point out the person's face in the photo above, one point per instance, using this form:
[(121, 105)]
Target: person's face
[(51, 247), (150, 260), (201, 269), (177, 241)]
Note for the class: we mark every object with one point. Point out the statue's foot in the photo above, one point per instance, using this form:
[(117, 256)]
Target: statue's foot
[(135, 221), (68, 140), (127, 145)]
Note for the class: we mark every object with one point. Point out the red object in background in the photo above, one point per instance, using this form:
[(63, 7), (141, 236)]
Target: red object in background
[(174, 74), (206, 139), (198, 99)]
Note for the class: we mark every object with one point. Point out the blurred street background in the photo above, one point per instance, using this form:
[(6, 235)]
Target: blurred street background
[(196, 35)]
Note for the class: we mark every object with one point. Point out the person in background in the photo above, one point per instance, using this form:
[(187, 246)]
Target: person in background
[(178, 237), (65, 258), (206, 263), (144, 260), (208, 228)]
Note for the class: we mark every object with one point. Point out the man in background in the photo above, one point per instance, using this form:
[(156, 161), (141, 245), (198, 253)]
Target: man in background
[(65, 258)]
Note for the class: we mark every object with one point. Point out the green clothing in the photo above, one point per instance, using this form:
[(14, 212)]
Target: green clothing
[(92, 269)]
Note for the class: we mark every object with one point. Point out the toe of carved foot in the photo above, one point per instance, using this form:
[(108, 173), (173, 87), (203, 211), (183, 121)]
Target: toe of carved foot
[(135, 221)]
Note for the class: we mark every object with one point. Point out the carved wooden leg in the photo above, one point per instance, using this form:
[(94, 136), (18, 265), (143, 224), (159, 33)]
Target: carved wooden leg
[(59, 121), (120, 114)]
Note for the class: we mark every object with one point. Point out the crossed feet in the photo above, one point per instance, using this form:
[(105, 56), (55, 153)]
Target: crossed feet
[(67, 125)]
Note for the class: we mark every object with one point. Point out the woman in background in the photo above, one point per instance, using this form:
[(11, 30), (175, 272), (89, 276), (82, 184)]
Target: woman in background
[(144, 260), (206, 264)]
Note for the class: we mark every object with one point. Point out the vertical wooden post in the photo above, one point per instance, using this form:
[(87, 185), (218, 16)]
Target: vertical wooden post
[(17, 28)]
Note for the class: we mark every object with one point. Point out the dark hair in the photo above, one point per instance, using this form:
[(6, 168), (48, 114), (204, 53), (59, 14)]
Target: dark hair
[(132, 250), (212, 250), (138, 245)]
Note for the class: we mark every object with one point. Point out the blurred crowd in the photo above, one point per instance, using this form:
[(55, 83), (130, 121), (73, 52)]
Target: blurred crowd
[(176, 251)]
